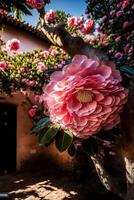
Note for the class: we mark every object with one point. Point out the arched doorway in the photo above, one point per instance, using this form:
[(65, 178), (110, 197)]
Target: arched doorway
[(8, 119)]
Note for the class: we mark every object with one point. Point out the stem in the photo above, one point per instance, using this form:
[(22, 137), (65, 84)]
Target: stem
[(59, 36)]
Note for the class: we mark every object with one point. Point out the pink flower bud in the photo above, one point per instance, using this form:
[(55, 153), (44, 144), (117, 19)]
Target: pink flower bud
[(119, 13), (32, 112), (125, 25), (118, 39), (118, 55)]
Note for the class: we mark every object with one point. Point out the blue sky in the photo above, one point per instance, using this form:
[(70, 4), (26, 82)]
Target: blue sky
[(74, 7)]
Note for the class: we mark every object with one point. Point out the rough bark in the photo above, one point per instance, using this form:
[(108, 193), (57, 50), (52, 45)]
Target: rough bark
[(72, 45), (128, 141), (106, 179)]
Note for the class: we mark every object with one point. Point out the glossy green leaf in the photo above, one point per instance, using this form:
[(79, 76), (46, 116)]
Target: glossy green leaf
[(64, 140), (48, 136), (42, 123)]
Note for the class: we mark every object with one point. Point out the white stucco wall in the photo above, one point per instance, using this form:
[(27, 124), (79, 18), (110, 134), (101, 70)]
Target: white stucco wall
[(28, 41)]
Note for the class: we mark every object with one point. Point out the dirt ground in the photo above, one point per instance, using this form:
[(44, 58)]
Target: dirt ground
[(53, 186)]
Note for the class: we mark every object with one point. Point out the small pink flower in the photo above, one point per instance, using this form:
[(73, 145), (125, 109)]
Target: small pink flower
[(118, 39), (54, 52), (88, 27), (72, 21), (118, 55), (30, 83), (37, 99), (125, 3), (102, 36), (112, 12), (119, 13), (37, 60), (50, 16), (22, 70), (86, 96), (80, 21), (125, 25), (104, 18), (111, 21), (45, 53), (13, 45), (3, 65), (132, 7), (119, 4), (38, 4), (32, 112), (126, 48), (41, 67), (3, 12)]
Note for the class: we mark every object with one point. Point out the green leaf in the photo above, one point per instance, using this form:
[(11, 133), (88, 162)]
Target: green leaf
[(127, 70), (48, 136), (42, 123), (64, 140), (72, 150)]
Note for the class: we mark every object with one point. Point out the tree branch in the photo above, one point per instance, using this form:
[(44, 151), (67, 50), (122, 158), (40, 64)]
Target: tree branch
[(59, 36), (107, 180)]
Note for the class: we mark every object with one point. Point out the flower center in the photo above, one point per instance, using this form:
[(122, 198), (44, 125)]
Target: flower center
[(84, 96)]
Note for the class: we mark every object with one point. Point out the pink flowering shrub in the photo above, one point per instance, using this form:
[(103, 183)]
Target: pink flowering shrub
[(86, 96), (38, 4), (13, 45)]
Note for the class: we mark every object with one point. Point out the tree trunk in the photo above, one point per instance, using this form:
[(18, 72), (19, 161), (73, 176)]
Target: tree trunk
[(106, 179), (76, 45), (128, 141)]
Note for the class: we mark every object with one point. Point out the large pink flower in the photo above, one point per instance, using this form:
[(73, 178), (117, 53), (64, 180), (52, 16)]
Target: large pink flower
[(86, 96)]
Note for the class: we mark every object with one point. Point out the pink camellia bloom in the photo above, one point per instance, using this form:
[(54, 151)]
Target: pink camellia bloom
[(38, 4), (88, 27), (86, 96), (118, 55), (125, 25), (3, 65), (125, 3), (72, 21), (41, 67), (119, 13), (13, 45), (32, 112), (50, 16)]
